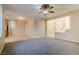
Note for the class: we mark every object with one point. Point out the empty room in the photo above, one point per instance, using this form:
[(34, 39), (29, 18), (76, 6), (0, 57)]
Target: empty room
[(39, 29)]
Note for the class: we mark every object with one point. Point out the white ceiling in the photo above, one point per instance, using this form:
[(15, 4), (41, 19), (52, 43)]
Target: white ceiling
[(31, 10)]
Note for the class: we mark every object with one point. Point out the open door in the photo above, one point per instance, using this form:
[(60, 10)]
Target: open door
[(6, 28)]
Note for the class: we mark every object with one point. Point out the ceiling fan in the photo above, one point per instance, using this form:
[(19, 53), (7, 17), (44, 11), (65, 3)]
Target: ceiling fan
[(46, 8)]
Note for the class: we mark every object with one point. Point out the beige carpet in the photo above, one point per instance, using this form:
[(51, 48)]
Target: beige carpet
[(41, 46)]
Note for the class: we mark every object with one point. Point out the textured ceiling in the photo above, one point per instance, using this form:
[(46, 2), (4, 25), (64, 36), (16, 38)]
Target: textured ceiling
[(32, 10)]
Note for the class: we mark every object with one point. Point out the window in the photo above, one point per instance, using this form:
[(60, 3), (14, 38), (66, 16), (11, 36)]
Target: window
[(63, 24)]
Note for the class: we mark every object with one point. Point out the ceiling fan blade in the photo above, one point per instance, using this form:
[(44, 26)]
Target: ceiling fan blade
[(51, 7), (45, 6), (51, 11)]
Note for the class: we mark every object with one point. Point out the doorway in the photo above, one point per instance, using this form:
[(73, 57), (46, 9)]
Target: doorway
[(9, 28)]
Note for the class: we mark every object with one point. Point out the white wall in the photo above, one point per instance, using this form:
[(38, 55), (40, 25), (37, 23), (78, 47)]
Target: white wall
[(29, 26), (73, 34), (42, 27), (39, 28), (35, 27), (51, 28), (20, 28), (2, 43)]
